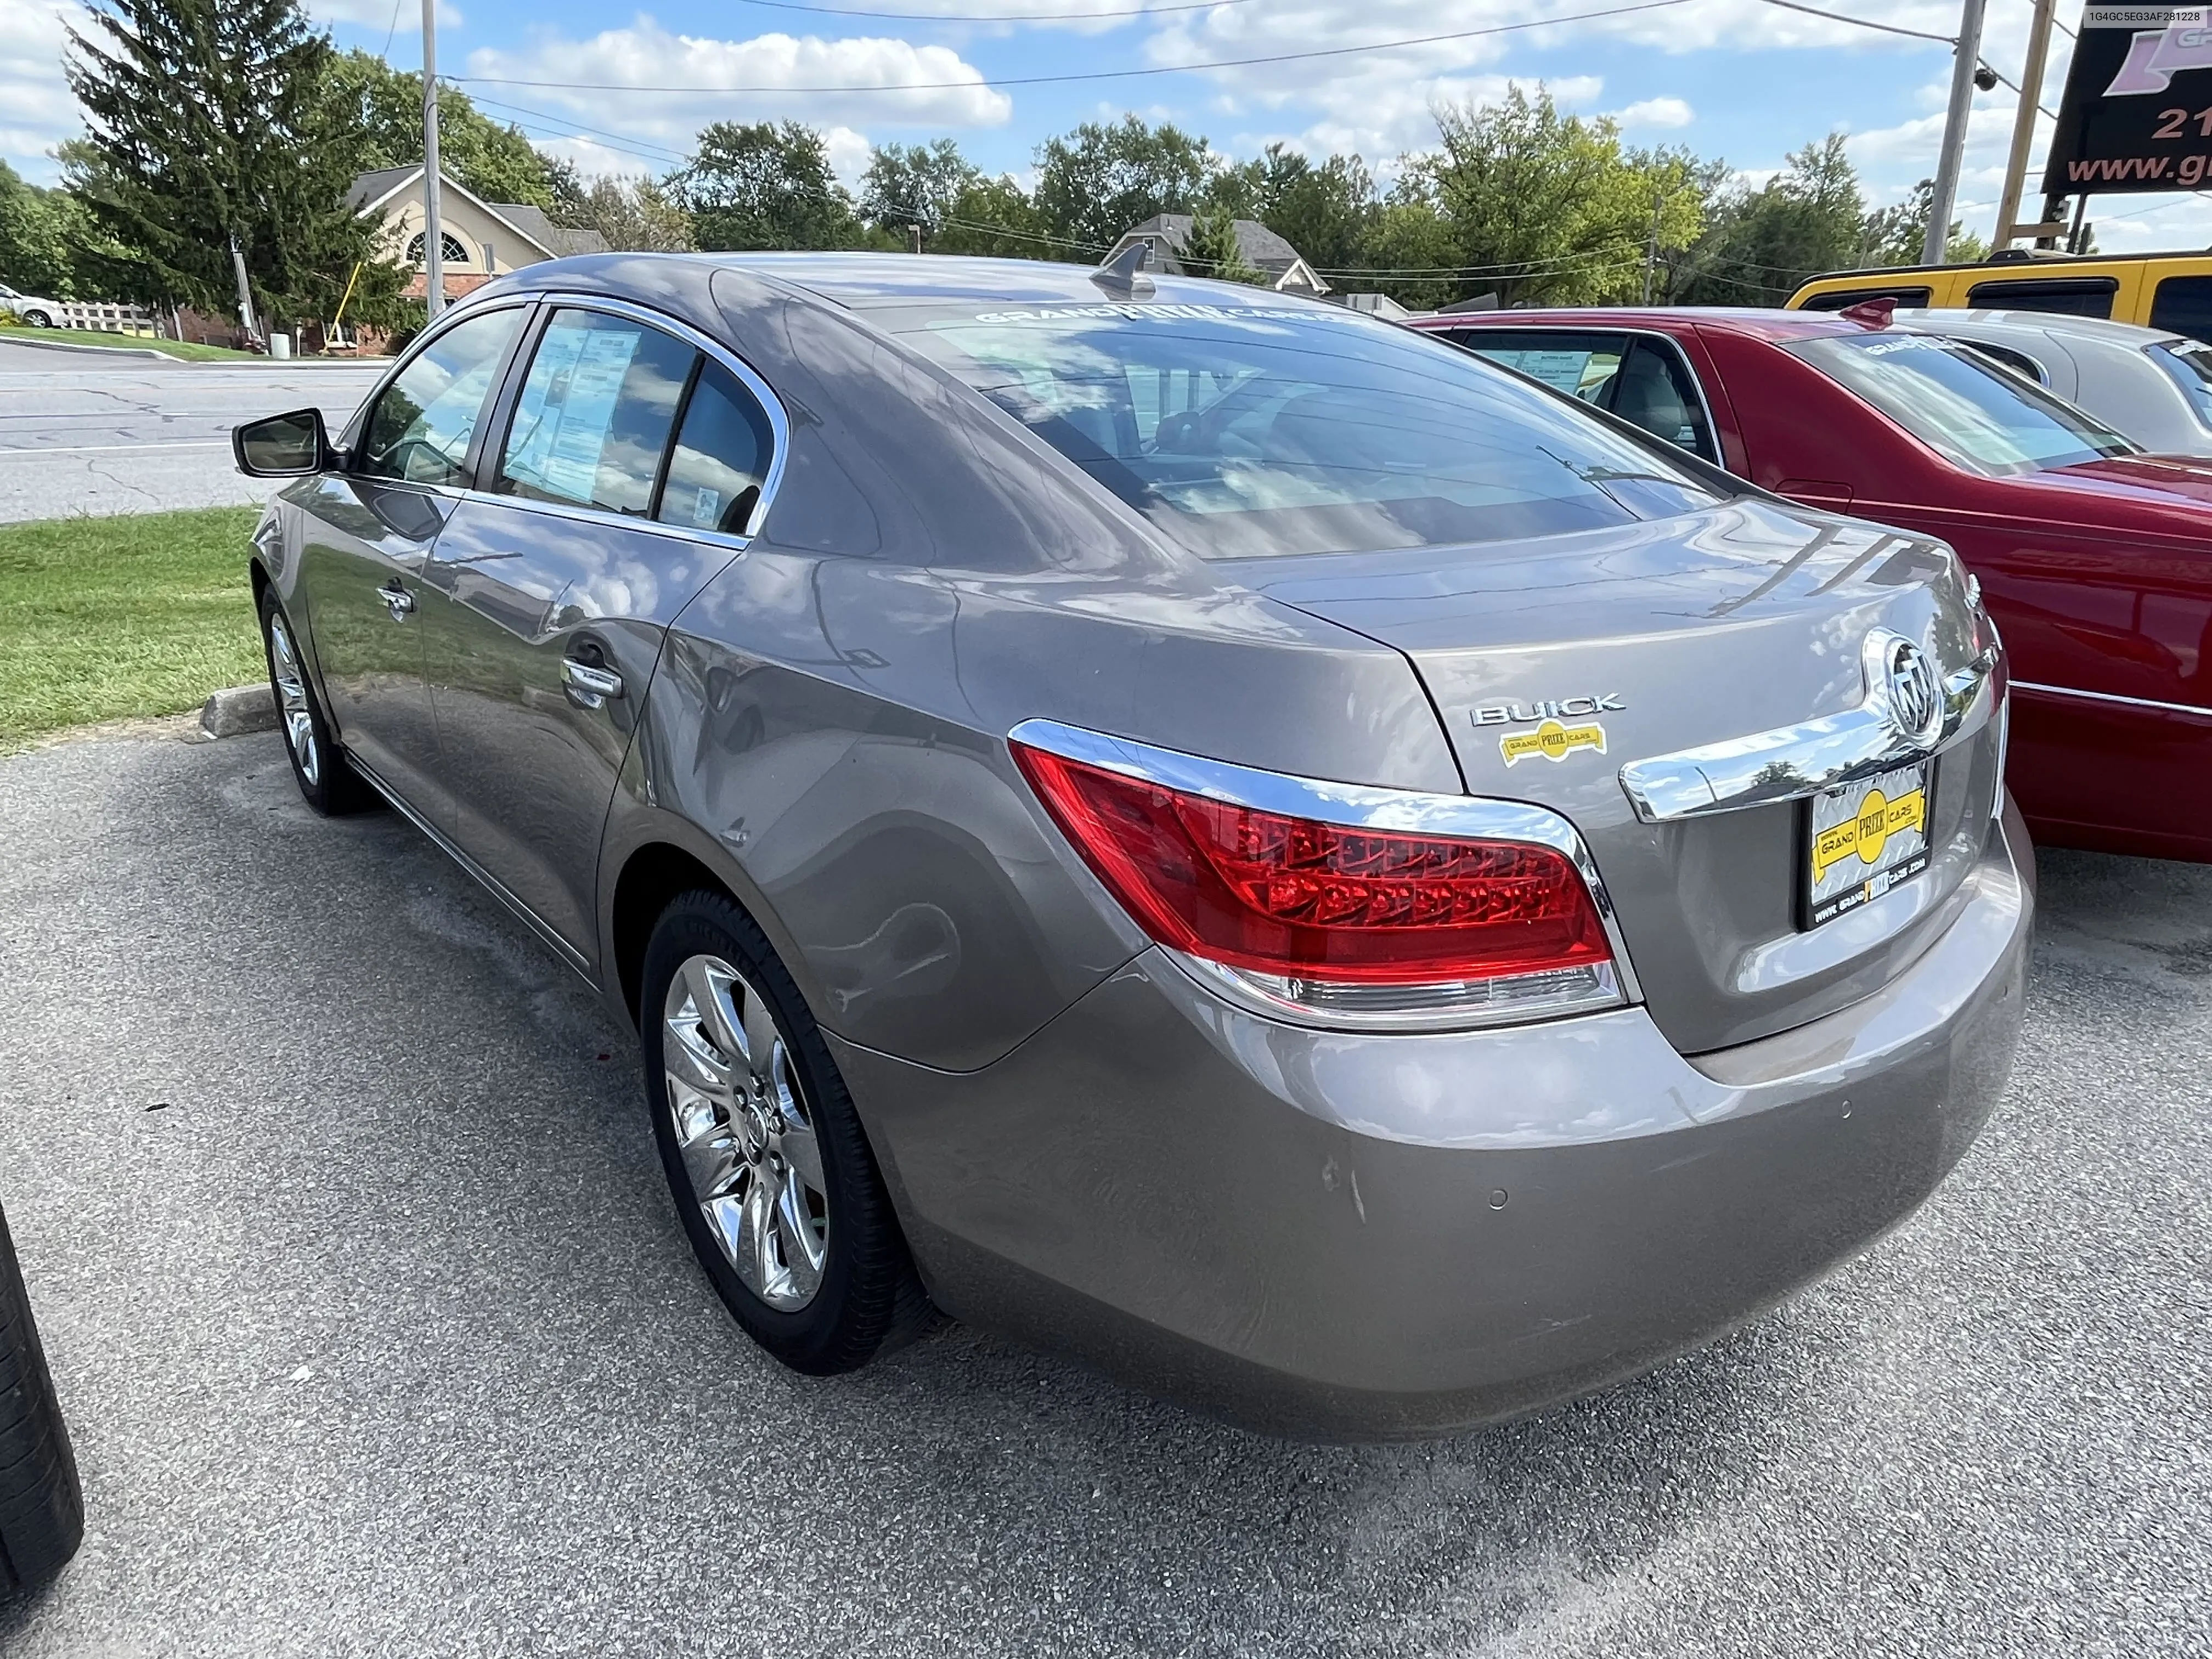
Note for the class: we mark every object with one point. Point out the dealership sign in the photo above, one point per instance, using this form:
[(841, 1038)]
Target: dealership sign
[(2137, 114)]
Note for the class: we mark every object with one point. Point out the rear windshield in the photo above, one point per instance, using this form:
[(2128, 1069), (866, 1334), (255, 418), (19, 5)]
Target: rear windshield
[(1250, 431), (2188, 363), (1961, 404)]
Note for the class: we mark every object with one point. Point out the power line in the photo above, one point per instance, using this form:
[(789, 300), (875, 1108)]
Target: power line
[(1951, 40), (1097, 75)]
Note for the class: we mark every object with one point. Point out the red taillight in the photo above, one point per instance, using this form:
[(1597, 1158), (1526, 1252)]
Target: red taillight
[(1302, 899)]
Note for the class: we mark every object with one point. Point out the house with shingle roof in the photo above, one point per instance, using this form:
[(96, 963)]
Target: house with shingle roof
[(1167, 234), (478, 239)]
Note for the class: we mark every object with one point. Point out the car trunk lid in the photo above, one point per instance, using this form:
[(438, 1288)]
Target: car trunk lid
[(1553, 663)]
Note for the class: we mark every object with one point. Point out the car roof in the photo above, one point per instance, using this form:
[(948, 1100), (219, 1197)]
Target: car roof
[(1769, 323), (867, 280), (2048, 322)]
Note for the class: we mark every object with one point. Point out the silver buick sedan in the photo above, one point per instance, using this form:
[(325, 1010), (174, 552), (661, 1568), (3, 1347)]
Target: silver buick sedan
[(1193, 827)]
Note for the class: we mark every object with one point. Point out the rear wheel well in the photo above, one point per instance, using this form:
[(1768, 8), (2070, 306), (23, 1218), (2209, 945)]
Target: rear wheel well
[(655, 873)]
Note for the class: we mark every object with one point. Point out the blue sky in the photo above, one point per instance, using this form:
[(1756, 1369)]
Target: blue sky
[(1745, 80)]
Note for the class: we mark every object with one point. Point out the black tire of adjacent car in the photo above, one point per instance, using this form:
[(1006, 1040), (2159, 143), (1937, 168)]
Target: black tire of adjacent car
[(41, 1504), (338, 789), (871, 1300), (37, 319)]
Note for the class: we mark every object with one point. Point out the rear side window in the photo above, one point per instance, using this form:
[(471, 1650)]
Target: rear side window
[(1643, 381), (1837, 299), (721, 457), (592, 425), (1246, 431), (2183, 305), (2073, 296), (421, 427), (1581, 365)]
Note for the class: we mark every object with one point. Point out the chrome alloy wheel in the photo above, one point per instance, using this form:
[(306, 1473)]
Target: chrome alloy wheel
[(292, 700), (747, 1141)]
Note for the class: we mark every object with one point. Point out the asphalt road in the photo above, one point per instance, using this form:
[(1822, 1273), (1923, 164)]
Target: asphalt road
[(337, 1203), (83, 432)]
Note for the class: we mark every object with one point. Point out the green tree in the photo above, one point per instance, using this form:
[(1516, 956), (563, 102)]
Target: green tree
[(38, 231), (1894, 236), (1212, 249), (633, 214), (1541, 207), (765, 186), (494, 162), (207, 119), (911, 185), (1762, 243), (994, 218), (1326, 211), (1100, 179)]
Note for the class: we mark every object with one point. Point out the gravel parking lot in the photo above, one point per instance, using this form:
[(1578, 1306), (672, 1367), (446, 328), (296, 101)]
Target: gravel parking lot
[(91, 432), (337, 1202)]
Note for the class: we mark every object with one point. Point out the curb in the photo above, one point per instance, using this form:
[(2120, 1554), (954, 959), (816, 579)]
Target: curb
[(238, 709), (145, 353)]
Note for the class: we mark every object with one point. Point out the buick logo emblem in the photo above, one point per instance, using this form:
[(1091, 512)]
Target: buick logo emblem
[(1915, 702)]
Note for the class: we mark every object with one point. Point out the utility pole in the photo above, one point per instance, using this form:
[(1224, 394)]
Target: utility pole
[(1967, 59), (434, 235), (245, 292), (2023, 131), (1651, 247)]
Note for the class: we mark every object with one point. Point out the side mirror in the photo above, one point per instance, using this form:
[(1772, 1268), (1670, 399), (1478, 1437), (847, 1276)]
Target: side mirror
[(283, 445)]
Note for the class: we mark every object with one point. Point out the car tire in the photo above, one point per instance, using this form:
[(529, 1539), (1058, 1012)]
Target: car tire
[(37, 319), (41, 1504), (819, 1276), (319, 766)]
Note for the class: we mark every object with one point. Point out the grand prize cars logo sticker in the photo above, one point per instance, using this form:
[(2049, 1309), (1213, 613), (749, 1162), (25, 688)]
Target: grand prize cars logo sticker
[(1553, 740), (1865, 835)]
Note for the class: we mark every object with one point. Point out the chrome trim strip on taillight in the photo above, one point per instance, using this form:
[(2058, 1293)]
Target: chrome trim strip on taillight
[(1449, 1005), (1790, 763), (1354, 806)]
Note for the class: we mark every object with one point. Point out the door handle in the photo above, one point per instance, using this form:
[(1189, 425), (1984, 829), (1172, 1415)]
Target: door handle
[(397, 599), (588, 684)]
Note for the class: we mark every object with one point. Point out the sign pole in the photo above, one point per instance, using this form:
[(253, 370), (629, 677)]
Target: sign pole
[(2023, 127), (433, 240), (1968, 58)]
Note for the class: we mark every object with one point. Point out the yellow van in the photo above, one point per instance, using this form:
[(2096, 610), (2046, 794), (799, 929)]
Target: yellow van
[(2168, 291)]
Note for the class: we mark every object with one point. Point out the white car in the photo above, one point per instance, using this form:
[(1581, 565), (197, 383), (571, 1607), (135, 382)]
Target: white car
[(37, 311), (2152, 385)]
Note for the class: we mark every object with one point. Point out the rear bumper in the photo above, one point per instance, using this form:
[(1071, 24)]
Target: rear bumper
[(1357, 1236)]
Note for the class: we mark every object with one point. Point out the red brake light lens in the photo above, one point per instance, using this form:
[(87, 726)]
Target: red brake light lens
[(1306, 900)]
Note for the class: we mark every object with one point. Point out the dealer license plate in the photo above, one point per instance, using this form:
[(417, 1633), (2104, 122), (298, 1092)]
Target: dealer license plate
[(1863, 840)]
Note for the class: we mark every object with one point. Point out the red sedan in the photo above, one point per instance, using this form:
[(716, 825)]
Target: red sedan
[(2095, 559)]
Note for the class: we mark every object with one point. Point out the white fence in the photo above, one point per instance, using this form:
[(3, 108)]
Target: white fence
[(105, 319)]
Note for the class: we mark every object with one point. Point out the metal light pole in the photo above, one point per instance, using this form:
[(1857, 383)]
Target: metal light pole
[(433, 261), (1934, 245)]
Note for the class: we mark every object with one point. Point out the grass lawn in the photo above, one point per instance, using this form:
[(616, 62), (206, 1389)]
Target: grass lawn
[(106, 619), (183, 348)]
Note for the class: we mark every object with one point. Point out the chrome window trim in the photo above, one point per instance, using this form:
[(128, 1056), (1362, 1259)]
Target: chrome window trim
[(1355, 806), (451, 318), (779, 424), (1790, 763), (2113, 697)]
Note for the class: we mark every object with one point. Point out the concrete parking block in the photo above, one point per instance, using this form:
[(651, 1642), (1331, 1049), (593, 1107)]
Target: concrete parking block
[(237, 709)]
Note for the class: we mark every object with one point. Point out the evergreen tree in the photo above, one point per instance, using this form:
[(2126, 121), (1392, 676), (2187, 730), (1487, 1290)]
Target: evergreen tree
[(1212, 249), (209, 119)]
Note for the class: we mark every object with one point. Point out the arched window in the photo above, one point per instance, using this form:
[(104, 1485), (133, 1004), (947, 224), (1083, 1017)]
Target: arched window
[(449, 246)]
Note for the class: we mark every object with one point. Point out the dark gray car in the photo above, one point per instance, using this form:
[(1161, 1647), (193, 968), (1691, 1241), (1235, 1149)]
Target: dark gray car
[(1197, 828)]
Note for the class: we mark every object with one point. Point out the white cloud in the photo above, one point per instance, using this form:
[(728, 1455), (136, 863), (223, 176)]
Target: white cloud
[(1655, 112), (394, 16), (36, 110), (642, 60)]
